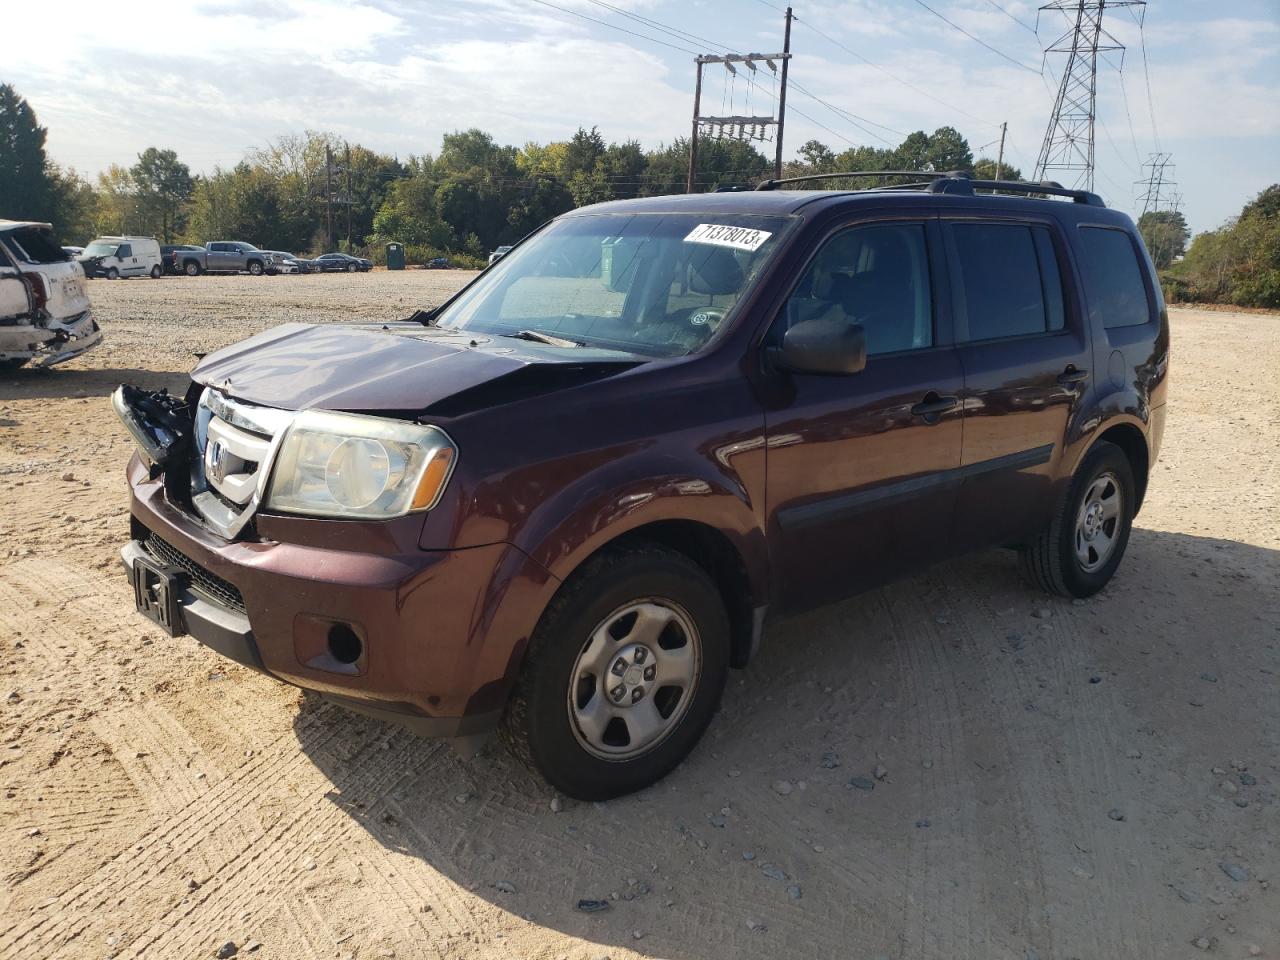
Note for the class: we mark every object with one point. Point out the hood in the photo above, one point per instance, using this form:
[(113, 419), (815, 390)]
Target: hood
[(400, 367)]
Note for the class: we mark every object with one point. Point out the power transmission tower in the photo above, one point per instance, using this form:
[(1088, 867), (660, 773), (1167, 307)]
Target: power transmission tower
[(1067, 152), (1159, 189), (740, 127)]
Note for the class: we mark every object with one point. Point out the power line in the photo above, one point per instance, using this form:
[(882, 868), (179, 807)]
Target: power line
[(614, 26), (1021, 23), (979, 40), (906, 83), (1146, 73)]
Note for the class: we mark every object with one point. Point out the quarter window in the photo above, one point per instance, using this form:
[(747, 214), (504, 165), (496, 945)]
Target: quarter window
[(1113, 279), (876, 276), (1009, 281)]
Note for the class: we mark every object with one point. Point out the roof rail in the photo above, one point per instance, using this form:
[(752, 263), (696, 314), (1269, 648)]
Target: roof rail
[(954, 182), (931, 174), (1047, 187)]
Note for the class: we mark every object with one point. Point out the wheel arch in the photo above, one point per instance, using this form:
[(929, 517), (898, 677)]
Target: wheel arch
[(1132, 440)]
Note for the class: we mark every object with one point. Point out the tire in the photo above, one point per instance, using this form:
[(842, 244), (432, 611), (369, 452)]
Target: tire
[(255, 268), (1066, 558), (603, 604), (156, 272), (352, 268), (113, 274), (191, 268)]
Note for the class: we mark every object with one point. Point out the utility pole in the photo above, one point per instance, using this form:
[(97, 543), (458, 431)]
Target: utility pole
[(347, 197), (782, 96), (739, 127), (1068, 140), (328, 193), (1000, 156), (693, 139)]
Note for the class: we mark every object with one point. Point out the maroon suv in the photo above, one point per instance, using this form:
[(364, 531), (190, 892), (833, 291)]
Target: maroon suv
[(565, 503)]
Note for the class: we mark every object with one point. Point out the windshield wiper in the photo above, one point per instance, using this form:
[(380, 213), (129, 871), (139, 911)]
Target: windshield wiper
[(537, 336)]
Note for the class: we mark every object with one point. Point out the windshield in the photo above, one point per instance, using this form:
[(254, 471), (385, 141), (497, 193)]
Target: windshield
[(100, 249), (653, 284), (34, 245)]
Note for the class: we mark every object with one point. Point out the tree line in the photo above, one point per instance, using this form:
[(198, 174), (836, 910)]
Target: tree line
[(311, 192)]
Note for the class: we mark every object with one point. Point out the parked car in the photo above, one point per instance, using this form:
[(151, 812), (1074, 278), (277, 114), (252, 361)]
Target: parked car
[(171, 255), (116, 257), (437, 263), (282, 262), (341, 262), (224, 256), (45, 317), (498, 254), (567, 501)]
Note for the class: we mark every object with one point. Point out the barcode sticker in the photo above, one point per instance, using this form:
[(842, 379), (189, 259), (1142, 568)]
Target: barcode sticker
[(721, 235)]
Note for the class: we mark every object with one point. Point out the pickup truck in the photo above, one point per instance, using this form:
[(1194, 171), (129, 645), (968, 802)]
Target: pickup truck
[(222, 256)]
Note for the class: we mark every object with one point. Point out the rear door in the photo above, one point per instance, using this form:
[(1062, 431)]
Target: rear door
[(860, 468), (1024, 346)]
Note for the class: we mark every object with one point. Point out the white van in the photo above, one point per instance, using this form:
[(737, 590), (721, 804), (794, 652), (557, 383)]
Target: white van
[(116, 257)]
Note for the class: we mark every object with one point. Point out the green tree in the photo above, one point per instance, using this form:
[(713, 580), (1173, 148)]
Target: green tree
[(26, 187), (984, 168), (1165, 233), (1237, 263), (163, 186)]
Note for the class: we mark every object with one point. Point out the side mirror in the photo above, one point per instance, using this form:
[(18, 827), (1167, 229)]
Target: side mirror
[(824, 346)]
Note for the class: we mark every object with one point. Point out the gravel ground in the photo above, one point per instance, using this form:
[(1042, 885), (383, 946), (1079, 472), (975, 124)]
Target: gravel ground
[(951, 767)]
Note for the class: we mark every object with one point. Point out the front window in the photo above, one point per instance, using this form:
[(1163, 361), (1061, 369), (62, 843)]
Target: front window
[(100, 249), (653, 284)]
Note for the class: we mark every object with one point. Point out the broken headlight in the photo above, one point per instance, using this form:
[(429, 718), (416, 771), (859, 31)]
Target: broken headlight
[(347, 465)]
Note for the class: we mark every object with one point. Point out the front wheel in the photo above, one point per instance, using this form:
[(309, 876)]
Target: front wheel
[(624, 673), (352, 268), (113, 274), (255, 268), (1079, 551)]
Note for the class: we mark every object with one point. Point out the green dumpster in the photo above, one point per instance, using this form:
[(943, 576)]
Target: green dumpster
[(395, 256)]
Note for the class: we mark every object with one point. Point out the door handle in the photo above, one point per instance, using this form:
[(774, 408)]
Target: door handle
[(1071, 376), (932, 407)]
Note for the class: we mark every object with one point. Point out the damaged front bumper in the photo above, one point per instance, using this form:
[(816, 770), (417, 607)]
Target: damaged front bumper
[(55, 343)]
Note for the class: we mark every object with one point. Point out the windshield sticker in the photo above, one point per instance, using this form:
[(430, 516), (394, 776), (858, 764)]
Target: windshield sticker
[(720, 235)]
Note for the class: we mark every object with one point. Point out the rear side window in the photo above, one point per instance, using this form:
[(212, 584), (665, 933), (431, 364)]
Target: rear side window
[(1113, 278), (1010, 285)]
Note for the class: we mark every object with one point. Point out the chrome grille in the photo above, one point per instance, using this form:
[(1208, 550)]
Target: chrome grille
[(235, 445)]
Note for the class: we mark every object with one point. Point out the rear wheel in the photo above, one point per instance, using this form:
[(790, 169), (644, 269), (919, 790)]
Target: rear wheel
[(191, 268), (1079, 551), (156, 272), (624, 673)]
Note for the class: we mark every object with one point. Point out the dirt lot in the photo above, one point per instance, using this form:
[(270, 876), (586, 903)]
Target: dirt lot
[(1095, 780)]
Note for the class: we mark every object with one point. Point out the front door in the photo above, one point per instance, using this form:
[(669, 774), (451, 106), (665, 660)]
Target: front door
[(860, 468), (1025, 353)]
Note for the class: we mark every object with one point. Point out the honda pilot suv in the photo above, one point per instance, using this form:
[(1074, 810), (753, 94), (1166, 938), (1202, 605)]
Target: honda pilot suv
[(565, 503)]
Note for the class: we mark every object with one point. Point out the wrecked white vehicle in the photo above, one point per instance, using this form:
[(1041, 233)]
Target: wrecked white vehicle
[(45, 316)]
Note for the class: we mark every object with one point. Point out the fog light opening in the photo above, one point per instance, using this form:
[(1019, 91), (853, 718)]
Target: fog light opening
[(344, 645)]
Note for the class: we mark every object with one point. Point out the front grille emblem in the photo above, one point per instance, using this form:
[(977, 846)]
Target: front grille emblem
[(216, 461)]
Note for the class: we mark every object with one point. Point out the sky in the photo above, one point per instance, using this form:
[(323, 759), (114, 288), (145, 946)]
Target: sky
[(215, 79)]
